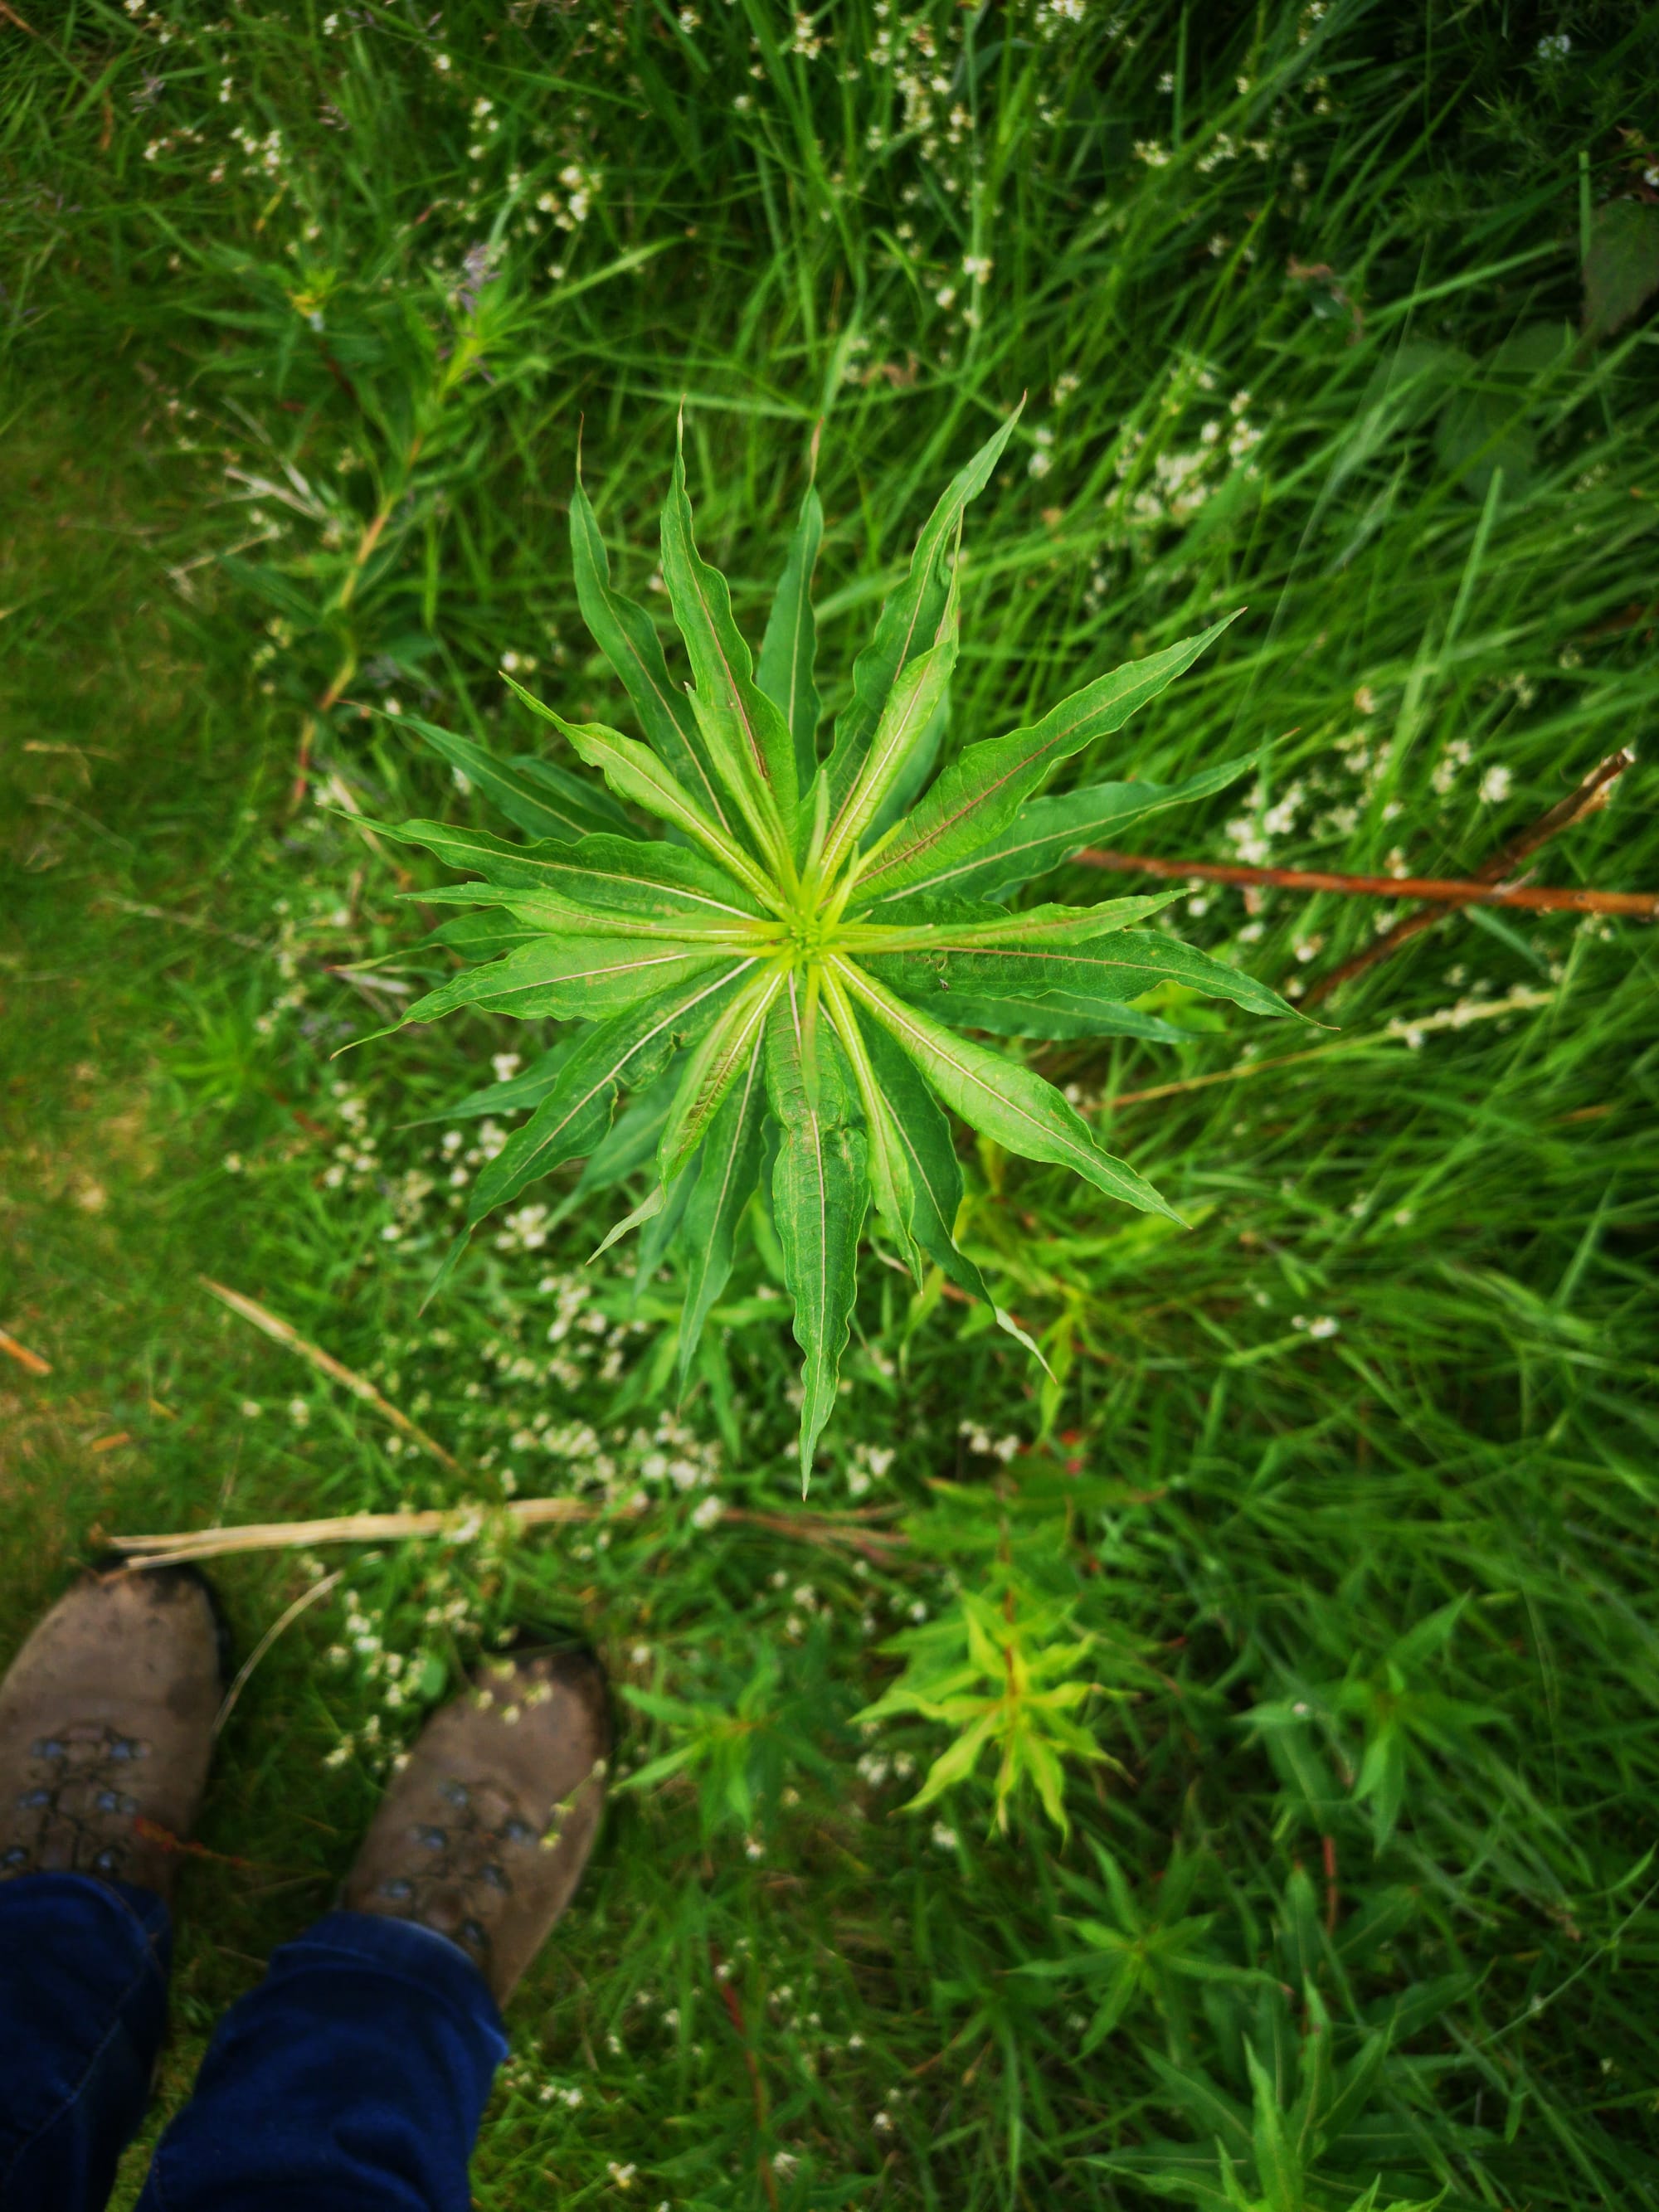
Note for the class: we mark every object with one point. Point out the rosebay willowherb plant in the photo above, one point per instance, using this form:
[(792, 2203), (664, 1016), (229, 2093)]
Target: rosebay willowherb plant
[(786, 973)]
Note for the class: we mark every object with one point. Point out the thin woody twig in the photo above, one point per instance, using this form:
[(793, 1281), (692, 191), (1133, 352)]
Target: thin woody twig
[(359, 1386), (459, 1523), (1468, 892), (464, 1524), (1590, 796), (23, 1356)]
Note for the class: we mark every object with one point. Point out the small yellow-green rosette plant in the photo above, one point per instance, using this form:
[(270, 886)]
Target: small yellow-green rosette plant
[(781, 951)]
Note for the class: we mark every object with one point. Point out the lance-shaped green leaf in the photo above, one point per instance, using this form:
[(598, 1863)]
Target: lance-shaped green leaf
[(555, 917), (917, 775), (633, 771), (940, 926), (624, 1054), (653, 1204), (1002, 1100), (519, 1092), (726, 1173), (981, 793), (711, 1070), (572, 792), (480, 936), (908, 620), (914, 699), (889, 1169), (748, 741), (627, 636), (1046, 831), (785, 671), (820, 1189), (545, 810), (632, 1137), (619, 875), (1104, 972), (565, 977), (1054, 1016), (659, 1235), (923, 1182)]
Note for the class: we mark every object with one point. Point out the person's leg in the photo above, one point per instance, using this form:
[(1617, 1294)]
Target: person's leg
[(354, 2077), (106, 1720), (351, 2080), (82, 2007)]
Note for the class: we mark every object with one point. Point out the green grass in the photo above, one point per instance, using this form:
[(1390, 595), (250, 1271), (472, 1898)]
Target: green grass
[(1345, 1825)]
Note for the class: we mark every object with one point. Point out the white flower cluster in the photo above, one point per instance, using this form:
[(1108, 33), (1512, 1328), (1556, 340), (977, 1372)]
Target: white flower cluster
[(1182, 481), (357, 1154), (402, 1662), (573, 203), (870, 1462), (979, 1439), (261, 156), (875, 1767)]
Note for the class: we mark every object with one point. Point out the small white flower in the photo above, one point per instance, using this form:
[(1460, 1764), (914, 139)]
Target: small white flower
[(1554, 48), (252, 1409), (1495, 786)]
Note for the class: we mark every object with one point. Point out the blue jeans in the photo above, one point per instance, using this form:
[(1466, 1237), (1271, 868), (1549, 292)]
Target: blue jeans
[(352, 2080)]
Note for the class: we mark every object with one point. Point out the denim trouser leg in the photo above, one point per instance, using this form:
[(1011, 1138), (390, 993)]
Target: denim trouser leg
[(83, 1971), (351, 2080)]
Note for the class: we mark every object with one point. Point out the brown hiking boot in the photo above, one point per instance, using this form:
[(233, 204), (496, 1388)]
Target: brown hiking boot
[(483, 1835), (106, 1726)]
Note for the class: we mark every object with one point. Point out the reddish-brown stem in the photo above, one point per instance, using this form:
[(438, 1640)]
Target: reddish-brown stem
[(1452, 892), (734, 2014), (325, 705), (1588, 796)]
